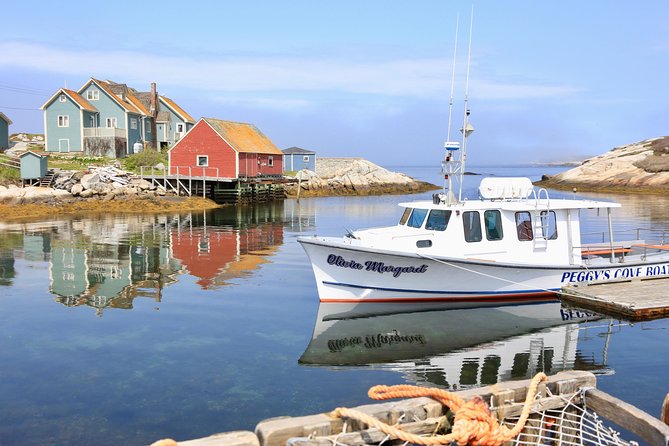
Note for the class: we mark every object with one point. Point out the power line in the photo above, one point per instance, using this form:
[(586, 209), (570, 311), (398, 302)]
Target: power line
[(22, 89), (19, 108)]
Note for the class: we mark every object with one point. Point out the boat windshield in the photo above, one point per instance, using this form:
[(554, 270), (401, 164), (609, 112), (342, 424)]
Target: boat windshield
[(417, 217), (438, 220)]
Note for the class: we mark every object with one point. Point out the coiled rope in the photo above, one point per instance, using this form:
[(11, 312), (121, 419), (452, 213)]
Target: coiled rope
[(473, 424)]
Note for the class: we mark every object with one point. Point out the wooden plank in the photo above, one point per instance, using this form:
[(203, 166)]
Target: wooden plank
[(628, 417)]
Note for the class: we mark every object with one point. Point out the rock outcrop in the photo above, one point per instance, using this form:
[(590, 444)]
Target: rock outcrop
[(105, 183), (638, 167), (352, 176)]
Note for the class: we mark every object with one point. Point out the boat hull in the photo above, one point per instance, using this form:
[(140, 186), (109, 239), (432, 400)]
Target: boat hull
[(349, 273)]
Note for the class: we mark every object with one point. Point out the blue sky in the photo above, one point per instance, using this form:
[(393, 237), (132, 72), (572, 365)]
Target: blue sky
[(550, 81)]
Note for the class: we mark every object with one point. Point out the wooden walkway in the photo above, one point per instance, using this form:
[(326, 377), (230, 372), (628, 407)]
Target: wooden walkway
[(634, 300)]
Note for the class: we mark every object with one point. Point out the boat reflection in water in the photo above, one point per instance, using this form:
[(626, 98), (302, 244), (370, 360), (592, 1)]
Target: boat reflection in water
[(450, 348)]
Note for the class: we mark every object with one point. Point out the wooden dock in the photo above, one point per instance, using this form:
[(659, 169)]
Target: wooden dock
[(634, 300), (219, 189), (424, 416)]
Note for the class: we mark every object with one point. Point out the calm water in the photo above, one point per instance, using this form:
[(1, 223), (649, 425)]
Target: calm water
[(127, 329)]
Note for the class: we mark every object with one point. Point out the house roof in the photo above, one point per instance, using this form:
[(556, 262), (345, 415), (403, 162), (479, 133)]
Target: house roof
[(76, 97), (5, 118), (30, 152), (178, 110), (242, 137), (298, 151), (119, 93)]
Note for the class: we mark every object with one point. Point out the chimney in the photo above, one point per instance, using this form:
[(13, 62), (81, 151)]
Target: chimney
[(153, 109)]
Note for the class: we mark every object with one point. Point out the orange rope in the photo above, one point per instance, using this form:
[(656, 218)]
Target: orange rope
[(473, 423)]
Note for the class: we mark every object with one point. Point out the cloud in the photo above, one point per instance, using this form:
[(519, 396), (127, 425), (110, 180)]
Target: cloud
[(417, 78)]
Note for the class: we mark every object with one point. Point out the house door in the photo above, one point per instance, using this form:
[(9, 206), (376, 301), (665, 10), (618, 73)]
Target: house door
[(63, 145)]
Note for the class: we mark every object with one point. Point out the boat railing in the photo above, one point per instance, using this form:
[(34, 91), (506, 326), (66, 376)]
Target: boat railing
[(659, 236)]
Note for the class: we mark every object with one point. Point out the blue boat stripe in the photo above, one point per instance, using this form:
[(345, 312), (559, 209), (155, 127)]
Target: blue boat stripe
[(478, 293)]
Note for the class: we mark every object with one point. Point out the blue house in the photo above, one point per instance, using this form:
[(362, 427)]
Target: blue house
[(295, 158), (5, 122), (105, 118)]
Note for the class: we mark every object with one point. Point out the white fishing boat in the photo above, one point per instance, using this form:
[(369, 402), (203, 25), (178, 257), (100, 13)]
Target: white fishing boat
[(512, 243)]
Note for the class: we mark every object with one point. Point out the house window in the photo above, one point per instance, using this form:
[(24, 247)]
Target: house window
[(133, 123), (148, 126), (181, 127), (524, 226), (202, 160), (111, 123), (493, 225), (62, 98), (63, 120), (91, 121), (471, 221), (93, 95), (305, 158), (270, 161)]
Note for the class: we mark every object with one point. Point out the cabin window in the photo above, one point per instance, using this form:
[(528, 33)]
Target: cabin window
[(405, 216), (62, 98), (202, 160), (423, 243), (181, 127), (524, 226), (93, 95), (63, 120), (493, 225), (305, 158), (438, 220), (133, 123), (270, 161), (549, 225), (471, 222), (417, 217), (148, 126), (111, 123)]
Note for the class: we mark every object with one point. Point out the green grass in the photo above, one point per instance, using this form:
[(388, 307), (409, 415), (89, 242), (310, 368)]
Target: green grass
[(9, 175), (75, 162)]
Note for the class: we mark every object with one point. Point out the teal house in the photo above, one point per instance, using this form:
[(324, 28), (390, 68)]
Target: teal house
[(105, 118), (33, 165), (295, 159), (5, 122)]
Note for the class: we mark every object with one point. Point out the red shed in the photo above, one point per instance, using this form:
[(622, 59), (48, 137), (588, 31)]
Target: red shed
[(225, 149)]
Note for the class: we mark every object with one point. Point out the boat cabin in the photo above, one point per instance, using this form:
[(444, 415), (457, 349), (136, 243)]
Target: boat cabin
[(511, 223)]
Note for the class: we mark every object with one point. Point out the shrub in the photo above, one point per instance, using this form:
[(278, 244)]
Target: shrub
[(148, 157)]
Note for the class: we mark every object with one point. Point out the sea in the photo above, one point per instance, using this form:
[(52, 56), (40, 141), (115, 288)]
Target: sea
[(125, 329)]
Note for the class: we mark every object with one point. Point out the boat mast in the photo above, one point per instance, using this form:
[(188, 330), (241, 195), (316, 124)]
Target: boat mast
[(448, 179), (467, 128)]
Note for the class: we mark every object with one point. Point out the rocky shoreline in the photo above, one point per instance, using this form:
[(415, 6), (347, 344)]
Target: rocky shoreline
[(641, 167), (352, 176), (109, 189)]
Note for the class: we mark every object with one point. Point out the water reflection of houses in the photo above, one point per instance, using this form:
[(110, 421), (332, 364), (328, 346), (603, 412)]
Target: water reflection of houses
[(108, 263), (450, 348), (229, 243)]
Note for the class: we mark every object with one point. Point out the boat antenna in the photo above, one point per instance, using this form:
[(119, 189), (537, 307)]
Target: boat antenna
[(467, 128), (447, 165), (455, 55)]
